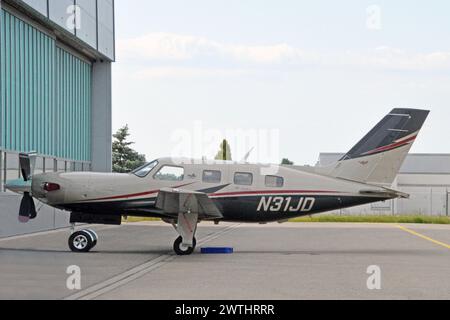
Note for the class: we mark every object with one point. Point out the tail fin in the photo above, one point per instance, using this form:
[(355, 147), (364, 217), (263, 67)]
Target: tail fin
[(377, 158)]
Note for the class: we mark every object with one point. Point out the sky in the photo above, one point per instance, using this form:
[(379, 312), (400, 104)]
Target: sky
[(285, 79)]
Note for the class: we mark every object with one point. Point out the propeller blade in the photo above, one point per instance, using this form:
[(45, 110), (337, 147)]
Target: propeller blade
[(24, 219), (25, 166), (27, 208), (33, 213)]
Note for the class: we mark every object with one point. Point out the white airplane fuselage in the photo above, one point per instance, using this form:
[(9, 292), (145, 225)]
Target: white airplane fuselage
[(270, 193), (184, 192)]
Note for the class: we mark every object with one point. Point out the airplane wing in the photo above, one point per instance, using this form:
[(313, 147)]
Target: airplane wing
[(175, 201)]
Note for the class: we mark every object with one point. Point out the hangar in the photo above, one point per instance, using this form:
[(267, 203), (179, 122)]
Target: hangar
[(425, 177), (56, 58)]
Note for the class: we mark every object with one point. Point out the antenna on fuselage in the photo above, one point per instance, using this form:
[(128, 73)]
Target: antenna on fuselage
[(247, 156)]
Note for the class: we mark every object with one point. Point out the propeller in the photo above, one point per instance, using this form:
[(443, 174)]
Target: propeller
[(27, 210)]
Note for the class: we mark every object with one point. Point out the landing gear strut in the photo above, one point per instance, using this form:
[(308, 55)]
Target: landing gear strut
[(83, 241), (186, 228)]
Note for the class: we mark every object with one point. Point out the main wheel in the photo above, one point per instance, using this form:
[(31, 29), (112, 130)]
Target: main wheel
[(94, 237), (183, 250), (81, 241)]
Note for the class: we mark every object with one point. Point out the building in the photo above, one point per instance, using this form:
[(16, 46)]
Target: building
[(425, 177), (55, 96)]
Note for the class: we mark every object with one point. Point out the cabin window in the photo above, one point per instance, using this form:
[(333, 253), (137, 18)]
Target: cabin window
[(170, 173), (243, 179), (143, 171), (274, 182), (212, 176)]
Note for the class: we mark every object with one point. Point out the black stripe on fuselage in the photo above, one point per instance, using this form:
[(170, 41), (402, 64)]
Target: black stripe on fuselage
[(239, 208), (213, 189)]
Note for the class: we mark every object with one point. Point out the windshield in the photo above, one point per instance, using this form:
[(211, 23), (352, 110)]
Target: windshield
[(143, 171)]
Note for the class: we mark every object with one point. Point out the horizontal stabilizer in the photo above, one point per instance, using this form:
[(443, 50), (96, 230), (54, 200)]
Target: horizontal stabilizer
[(386, 193)]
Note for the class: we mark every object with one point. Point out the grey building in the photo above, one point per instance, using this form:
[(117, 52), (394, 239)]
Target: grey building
[(426, 177), (55, 98)]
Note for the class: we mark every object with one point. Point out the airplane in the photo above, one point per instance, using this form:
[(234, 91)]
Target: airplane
[(183, 192)]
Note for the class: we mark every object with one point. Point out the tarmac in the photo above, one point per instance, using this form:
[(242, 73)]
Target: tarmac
[(291, 261)]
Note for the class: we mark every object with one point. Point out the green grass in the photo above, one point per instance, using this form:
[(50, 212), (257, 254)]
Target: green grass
[(347, 219), (375, 219)]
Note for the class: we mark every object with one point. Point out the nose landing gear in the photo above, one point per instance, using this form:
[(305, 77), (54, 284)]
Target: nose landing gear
[(83, 241)]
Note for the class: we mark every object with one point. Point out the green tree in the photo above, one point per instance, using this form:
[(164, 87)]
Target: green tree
[(224, 152), (287, 162), (125, 159)]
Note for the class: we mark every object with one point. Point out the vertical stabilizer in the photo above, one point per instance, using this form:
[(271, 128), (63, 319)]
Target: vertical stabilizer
[(377, 158)]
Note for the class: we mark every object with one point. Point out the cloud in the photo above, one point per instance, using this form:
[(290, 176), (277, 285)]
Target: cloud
[(261, 54), (164, 46), (397, 59), (176, 48), (188, 72)]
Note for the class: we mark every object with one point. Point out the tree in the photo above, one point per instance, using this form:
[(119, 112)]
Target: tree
[(125, 159), (287, 162), (224, 152)]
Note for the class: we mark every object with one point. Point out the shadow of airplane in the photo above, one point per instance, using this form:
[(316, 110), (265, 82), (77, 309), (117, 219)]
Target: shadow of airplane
[(167, 251)]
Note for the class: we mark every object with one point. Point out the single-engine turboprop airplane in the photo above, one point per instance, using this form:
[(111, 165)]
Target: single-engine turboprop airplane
[(184, 192)]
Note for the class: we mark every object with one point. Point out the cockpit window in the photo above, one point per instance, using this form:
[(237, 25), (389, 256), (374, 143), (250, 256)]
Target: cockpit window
[(170, 173), (143, 171)]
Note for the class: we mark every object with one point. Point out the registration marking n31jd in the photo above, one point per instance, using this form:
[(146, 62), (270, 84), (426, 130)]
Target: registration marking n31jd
[(281, 204)]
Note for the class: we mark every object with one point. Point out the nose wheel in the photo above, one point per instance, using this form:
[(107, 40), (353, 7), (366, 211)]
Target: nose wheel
[(183, 250), (83, 241)]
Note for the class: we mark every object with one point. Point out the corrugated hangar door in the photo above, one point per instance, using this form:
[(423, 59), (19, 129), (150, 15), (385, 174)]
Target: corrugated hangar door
[(27, 86), (73, 104), (45, 93)]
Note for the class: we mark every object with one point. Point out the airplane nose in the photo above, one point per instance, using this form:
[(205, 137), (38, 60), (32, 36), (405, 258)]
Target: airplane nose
[(37, 190), (44, 184), (50, 187)]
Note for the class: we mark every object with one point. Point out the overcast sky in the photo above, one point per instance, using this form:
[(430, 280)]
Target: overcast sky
[(300, 77)]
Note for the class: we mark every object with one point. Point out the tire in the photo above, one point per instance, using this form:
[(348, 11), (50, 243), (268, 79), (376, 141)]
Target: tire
[(81, 242), (180, 251), (94, 237)]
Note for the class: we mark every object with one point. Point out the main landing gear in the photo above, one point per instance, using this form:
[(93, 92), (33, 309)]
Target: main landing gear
[(186, 228), (83, 241), (183, 250)]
